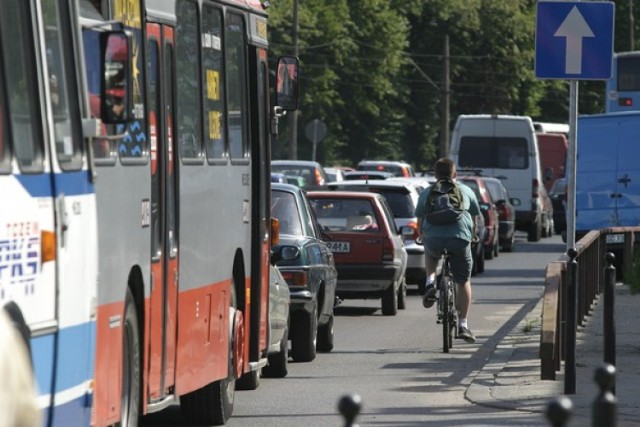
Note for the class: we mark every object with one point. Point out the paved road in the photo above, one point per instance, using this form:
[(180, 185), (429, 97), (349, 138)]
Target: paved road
[(396, 363)]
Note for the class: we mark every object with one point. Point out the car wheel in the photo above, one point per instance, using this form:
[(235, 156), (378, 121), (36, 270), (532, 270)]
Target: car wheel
[(535, 232), (390, 301), (303, 342), (325, 336), (277, 365), (402, 294), (488, 252), (249, 381), (481, 258), (507, 245)]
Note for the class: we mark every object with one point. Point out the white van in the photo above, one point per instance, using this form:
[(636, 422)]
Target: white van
[(506, 147)]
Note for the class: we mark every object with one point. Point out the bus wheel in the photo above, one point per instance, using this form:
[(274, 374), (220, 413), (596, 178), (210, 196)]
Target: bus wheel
[(130, 403), (213, 403)]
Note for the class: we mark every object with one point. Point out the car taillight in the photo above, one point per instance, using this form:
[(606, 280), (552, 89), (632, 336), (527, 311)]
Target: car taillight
[(414, 226), (536, 189), (295, 278), (387, 251), (319, 178)]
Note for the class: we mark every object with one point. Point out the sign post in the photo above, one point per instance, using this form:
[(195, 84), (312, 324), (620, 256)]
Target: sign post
[(574, 41), (315, 131)]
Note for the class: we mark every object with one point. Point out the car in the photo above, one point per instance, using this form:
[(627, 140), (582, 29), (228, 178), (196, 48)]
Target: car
[(489, 212), (307, 264), (334, 174), (506, 212), (279, 306), (421, 183), (402, 196), (558, 195), (278, 348), (368, 248), (505, 146), (397, 168), (368, 175), (289, 179), (312, 172)]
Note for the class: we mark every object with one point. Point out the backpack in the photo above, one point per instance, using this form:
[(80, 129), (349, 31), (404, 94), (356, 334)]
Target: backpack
[(444, 203)]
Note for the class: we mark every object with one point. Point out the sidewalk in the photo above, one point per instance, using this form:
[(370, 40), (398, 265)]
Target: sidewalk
[(511, 378)]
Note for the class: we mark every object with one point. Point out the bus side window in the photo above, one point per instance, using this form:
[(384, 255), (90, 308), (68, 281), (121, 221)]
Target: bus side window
[(5, 159)]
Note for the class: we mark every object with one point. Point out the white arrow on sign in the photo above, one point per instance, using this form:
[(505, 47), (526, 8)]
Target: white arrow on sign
[(574, 29)]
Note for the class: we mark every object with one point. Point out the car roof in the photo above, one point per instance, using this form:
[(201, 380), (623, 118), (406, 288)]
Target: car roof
[(344, 194), (285, 187), (295, 162), (383, 162)]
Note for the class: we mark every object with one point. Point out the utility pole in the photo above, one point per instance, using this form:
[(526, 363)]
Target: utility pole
[(293, 115), (444, 100)]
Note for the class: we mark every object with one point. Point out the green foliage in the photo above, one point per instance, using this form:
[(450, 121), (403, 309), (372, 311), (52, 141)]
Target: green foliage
[(632, 273), (373, 70)]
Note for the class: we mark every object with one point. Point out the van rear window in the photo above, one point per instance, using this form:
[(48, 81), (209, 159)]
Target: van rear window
[(481, 152)]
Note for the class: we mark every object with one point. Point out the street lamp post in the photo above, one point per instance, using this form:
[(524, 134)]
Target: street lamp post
[(293, 115)]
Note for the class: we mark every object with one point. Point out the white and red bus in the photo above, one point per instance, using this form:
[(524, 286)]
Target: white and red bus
[(48, 218), (183, 213)]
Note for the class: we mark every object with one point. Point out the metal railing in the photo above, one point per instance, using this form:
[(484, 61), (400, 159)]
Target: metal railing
[(571, 286)]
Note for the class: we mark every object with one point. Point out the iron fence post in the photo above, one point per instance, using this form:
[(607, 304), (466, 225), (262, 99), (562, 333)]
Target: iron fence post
[(609, 314), (570, 359), (604, 408)]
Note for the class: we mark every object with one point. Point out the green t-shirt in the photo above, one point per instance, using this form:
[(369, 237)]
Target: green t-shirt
[(463, 229)]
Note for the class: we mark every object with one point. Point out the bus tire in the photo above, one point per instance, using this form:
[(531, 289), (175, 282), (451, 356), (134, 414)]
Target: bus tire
[(15, 314), (130, 402)]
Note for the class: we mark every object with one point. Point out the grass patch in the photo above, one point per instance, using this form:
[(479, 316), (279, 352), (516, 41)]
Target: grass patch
[(530, 324), (632, 273)]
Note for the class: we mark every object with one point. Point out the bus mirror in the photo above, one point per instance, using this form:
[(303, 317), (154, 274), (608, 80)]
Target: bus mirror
[(116, 77), (287, 83)]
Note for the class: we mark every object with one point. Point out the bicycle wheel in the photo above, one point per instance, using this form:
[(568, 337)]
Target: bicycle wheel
[(453, 311), (445, 297)]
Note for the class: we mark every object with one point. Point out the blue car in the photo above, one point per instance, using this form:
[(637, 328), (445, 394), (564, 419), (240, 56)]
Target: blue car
[(307, 264)]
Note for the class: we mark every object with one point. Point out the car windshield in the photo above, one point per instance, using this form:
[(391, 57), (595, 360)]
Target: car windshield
[(345, 214), (493, 152), (400, 203), (285, 210)]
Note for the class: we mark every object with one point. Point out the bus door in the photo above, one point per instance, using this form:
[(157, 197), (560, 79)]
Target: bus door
[(164, 240)]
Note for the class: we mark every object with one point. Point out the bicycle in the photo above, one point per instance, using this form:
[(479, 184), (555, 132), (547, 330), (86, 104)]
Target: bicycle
[(447, 311)]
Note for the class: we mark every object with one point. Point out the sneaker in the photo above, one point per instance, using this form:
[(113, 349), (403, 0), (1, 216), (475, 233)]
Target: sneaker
[(429, 296), (466, 334)]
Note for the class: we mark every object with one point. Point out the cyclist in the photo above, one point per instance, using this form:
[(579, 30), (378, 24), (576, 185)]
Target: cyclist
[(456, 238)]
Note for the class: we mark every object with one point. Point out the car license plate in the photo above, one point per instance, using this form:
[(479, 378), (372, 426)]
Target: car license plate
[(615, 238), (339, 247)]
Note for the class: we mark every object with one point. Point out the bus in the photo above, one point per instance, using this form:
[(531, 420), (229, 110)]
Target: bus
[(48, 217), (623, 89), (182, 201)]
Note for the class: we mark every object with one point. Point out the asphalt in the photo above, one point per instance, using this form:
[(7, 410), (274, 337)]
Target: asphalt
[(510, 379)]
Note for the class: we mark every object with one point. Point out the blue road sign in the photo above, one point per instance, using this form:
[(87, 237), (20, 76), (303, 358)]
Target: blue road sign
[(574, 40)]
